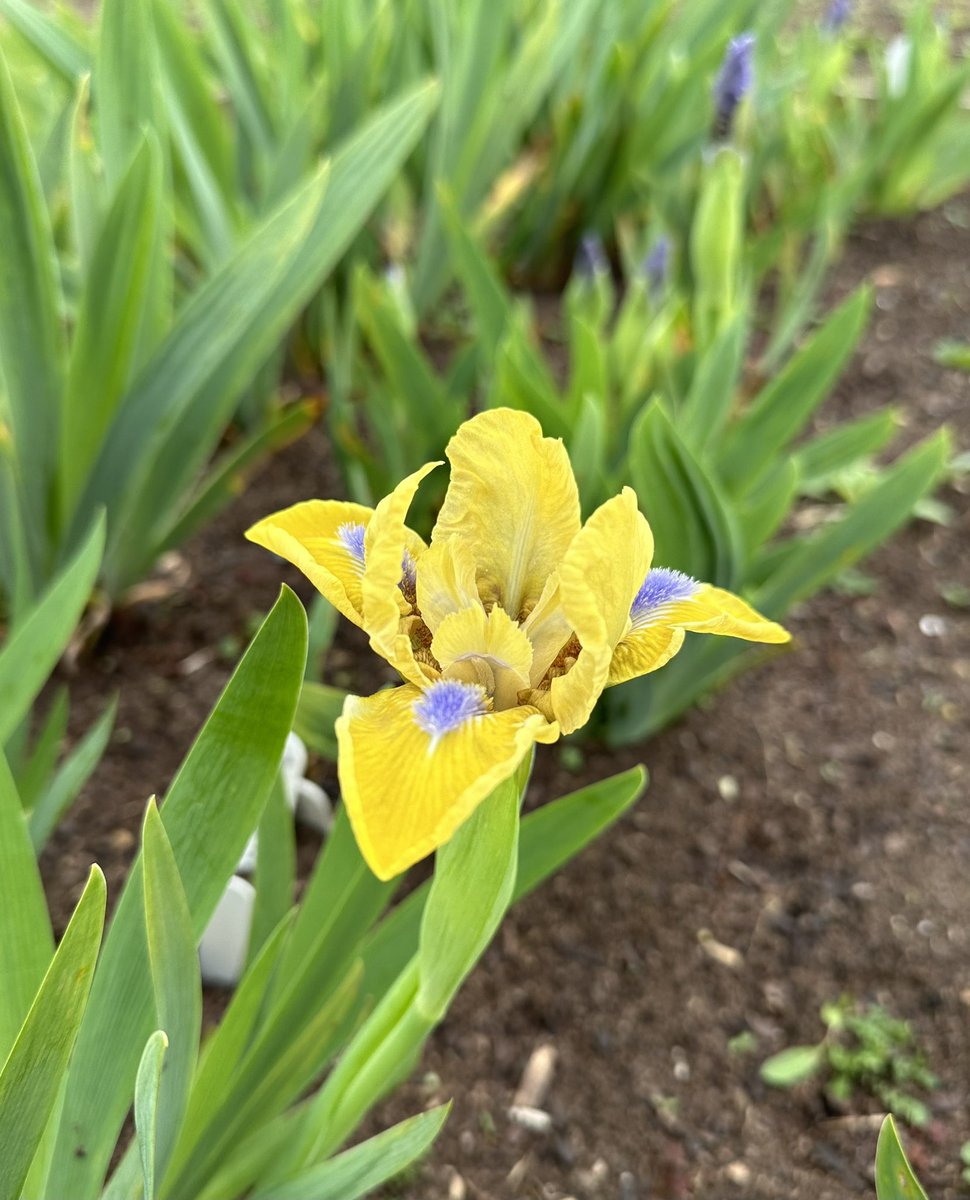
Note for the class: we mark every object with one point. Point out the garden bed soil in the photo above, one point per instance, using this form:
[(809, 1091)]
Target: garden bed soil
[(806, 834)]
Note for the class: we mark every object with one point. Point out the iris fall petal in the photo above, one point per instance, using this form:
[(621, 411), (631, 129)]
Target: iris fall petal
[(405, 794), (306, 535)]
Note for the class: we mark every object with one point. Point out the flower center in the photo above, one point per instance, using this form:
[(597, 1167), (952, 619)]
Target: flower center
[(662, 587), (447, 705)]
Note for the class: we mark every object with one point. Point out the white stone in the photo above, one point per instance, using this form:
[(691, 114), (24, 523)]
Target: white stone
[(222, 952)]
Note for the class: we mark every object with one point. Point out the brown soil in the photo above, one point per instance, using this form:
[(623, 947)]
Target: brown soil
[(813, 818)]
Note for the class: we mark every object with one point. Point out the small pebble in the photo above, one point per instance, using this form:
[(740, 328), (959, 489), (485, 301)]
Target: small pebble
[(931, 625), (738, 1173)]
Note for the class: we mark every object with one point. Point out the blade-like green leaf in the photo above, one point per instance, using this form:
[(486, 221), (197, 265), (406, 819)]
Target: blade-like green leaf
[(693, 527), (359, 1171), (53, 40), (212, 804), (782, 408), (148, 1083), (125, 82), (61, 792), (472, 889), (842, 446), (867, 523), (35, 770), (33, 1074), (275, 868), (110, 315), (224, 1049), (34, 646), (894, 1176), (32, 350), (175, 979), (26, 941)]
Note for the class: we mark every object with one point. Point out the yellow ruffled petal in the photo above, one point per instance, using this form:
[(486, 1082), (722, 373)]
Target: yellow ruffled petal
[(407, 790), (384, 605), (487, 649), (643, 651), (306, 535), (513, 498), (445, 580), (547, 629), (714, 610), (599, 577)]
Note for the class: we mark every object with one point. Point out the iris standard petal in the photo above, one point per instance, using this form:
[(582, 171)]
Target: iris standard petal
[(599, 577), (386, 545), (445, 580), (512, 496), (547, 629), (411, 774), (714, 610), (321, 538), (643, 651), (490, 650)]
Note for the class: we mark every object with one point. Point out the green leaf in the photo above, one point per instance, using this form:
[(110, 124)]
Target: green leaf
[(792, 1066), (33, 1074), (224, 1050), (212, 805), (36, 643), (316, 715), (31, 332), (819, 459), (867, 522), (275, 868), (784, 406), (147, 1087), (228, 474), (490, 302), (894, 1176), (357, 1172), (176, 983), (50, 37), (707, 405), (693, 529), (255, 1098), (230, 327), (472, 889), (26, 941), (125, 82), (73, 773), (110, 315), (34, 772)]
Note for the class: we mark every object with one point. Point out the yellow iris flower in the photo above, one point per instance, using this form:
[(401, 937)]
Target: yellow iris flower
[(506, 628)]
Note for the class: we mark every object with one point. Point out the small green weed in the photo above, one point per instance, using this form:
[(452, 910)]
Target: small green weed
[(864, 1050)]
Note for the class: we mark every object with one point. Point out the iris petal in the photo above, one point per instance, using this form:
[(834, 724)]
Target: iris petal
[(714, 610), (406, 789), (643, 651), (513, 497), (599, 578), (308, 535), (445, 580), (385, 544)]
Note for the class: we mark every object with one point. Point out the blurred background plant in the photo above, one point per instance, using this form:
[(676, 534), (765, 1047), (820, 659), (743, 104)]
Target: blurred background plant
[(865, 1049)]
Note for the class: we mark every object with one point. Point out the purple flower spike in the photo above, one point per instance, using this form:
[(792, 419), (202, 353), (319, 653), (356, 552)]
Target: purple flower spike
[(733, 82), (591, 260), (656, 266), (838, 13)]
